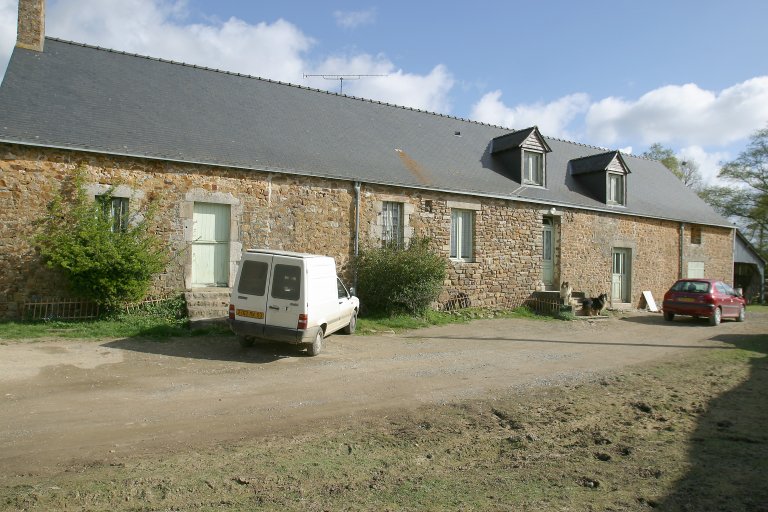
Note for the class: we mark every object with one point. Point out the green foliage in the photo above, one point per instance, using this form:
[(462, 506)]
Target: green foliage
[(107, 264), (664, 155), (748, 203), (394, 280), (686, 171)]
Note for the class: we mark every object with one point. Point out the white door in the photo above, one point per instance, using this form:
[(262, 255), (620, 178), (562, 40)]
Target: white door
[(286, 297), (210, 245), (620, 284), (548, 253)]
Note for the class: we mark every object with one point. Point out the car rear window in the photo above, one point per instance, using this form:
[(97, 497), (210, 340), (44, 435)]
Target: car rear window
[(691, 286), (286, 283), (253, 278)]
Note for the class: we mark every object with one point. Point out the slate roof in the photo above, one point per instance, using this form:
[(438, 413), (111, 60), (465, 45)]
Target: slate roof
[(80, 97)]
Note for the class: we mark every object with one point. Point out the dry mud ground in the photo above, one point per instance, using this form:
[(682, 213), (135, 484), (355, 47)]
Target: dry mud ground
[(69, 405)]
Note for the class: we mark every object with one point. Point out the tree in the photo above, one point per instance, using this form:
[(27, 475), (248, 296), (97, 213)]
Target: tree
[(686, 171), (664, 155), (102, 261), (749, 202)]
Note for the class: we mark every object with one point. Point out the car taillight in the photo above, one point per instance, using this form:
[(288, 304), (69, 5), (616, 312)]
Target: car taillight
[(231, 311), (709, 298), (303, 320)]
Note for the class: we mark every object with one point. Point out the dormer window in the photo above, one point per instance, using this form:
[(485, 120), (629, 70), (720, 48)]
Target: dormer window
[(533, 168), (603, 175), (523, 155), (615, 188)]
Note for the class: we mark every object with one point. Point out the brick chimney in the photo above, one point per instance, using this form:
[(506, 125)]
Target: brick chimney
[(31, 28)]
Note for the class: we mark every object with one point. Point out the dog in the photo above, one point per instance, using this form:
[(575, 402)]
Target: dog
[(565, 292), (595, 305)]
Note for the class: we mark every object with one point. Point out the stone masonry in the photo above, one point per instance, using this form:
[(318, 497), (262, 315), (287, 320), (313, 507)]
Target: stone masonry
[(316, 215)]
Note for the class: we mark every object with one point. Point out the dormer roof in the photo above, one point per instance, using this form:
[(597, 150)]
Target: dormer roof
[(527, 138), (602, 162)]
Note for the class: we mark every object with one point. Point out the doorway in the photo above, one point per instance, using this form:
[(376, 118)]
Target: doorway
[(210, 245), (621, 289), (548, 253)]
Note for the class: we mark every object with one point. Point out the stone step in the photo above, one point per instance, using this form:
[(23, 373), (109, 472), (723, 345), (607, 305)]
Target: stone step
[(206, 303)]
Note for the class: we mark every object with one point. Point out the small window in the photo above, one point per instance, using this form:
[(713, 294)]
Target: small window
[(462, 234), (533, 168), (253, 278), (286, 283), (392, 223), (117, 209), (615, 188), (695, 269), (696, 235)]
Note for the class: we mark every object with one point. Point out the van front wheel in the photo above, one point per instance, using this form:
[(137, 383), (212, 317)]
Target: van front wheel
[(350, 328), (317, 344)]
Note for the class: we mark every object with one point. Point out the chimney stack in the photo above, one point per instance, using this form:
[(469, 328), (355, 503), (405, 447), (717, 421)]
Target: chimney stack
[(31, 28)]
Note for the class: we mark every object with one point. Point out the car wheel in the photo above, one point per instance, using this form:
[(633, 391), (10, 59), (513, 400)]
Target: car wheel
[(317, 344), (245, 341), (669, 316), (715, 318), (350, 328), (742, 314)]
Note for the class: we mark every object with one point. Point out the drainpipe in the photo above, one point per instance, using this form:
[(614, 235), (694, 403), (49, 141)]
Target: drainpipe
[(680, 260), (357, 227)]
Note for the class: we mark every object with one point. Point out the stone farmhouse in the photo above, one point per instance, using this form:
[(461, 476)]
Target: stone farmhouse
[(237, 162)]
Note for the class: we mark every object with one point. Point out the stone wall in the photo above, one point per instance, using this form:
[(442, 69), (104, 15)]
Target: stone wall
[(317, 215), (588, 239)]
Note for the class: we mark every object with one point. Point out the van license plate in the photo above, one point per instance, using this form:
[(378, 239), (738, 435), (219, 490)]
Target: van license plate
[(250, 314)]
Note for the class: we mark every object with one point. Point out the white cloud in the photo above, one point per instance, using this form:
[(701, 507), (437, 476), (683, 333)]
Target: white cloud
[(156, 28), (682, 114), (552, 118), (278, 51), (426, 92), (354, 19)]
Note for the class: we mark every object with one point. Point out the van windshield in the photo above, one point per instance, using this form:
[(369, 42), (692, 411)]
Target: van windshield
[(253, 278), (286, 283)]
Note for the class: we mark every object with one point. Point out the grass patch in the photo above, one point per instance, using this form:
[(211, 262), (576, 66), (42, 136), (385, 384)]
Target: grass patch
[(685, 435), (398, 323), (160, 320)]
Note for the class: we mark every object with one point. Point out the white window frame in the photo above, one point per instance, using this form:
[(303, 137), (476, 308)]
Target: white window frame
[(462, 234), (620, 190), (392, 223), (533, 168)]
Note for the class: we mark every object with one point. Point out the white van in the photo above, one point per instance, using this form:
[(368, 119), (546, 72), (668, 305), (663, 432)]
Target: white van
[(290, 297)]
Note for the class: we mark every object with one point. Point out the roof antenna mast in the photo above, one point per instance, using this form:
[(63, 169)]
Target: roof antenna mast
[(341, 79)]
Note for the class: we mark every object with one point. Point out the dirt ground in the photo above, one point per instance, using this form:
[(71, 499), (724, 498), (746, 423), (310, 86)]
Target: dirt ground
[(65, 402)]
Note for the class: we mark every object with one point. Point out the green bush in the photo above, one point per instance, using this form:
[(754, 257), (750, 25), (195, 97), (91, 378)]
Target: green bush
[(394, 280), (107, 263)]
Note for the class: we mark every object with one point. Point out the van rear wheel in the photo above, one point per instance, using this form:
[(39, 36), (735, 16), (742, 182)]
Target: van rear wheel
[(245, 341), (317, 344)]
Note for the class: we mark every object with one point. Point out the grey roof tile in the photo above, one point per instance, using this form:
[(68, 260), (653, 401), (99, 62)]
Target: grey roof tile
[(85, 98)]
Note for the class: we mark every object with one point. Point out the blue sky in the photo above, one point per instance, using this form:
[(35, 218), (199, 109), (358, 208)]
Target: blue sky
[(692, 75)]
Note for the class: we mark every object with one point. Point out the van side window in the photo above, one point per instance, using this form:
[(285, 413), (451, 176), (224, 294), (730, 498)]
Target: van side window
[(286, 283), (343, 294), (253, 278)]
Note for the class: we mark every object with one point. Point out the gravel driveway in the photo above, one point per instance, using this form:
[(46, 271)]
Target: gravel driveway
[(65, 401)]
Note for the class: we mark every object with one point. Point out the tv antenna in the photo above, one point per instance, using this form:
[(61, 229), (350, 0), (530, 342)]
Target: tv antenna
[(341, 79)]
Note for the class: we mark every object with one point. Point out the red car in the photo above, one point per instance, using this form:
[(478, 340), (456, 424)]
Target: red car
[(708, 298)]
